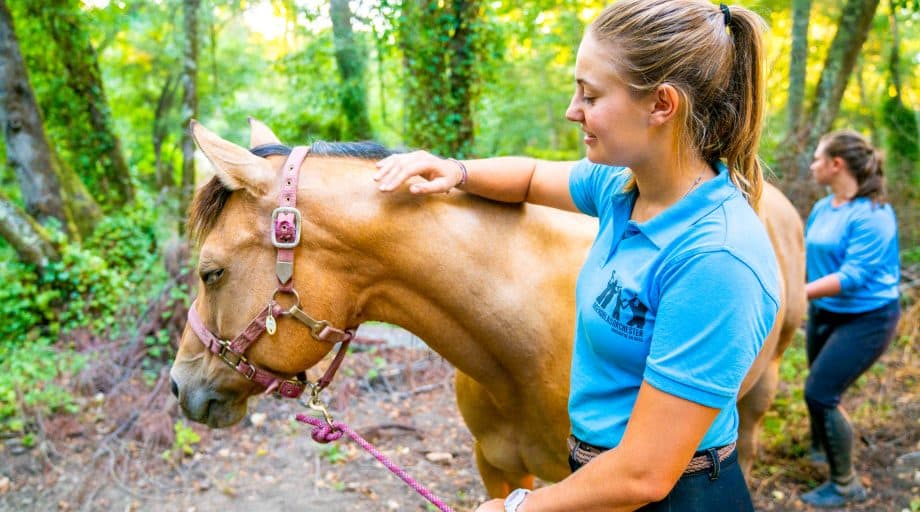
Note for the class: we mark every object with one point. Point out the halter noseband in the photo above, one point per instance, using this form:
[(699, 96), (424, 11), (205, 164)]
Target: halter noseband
[(285, 236)]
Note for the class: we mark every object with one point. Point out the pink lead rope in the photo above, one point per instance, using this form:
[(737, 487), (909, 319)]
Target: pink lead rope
[(324, 432)]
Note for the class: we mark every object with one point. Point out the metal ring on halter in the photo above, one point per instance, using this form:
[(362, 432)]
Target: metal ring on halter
[(292, 292)]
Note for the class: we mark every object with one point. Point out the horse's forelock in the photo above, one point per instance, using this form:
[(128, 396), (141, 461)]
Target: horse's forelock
[(206, 207)]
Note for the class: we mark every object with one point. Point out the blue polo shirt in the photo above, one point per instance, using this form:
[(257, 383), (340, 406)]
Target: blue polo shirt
[(683, 301), (858, 241)]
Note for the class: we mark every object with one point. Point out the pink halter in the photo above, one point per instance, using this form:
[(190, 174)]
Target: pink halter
[(285, 235)]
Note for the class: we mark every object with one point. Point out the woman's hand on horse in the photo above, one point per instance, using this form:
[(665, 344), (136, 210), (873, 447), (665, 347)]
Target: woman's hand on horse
[(394, 170)]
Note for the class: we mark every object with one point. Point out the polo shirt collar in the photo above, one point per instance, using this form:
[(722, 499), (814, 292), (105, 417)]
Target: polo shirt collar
[(671, 223)]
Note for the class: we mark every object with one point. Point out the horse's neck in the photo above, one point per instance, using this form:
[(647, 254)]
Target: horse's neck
[(456, 283), (483, 284)]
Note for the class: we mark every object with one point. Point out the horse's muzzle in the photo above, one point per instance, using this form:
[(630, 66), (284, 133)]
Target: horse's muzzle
[(205, 405)]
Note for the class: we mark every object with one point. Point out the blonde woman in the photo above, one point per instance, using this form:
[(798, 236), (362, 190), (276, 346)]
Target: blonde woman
[(680, 288)]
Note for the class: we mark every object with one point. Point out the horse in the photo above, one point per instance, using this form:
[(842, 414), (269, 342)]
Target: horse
[(489, 286)]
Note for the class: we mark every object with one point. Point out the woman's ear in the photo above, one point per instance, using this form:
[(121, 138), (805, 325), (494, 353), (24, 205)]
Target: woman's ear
[(665, 103)]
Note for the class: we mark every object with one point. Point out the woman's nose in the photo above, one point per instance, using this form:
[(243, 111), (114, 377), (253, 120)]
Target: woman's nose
[(573, 113)]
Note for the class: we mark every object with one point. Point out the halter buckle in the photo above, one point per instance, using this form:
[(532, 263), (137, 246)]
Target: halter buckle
[(226, 355), (290, 388), (249, 374), (282, 210)]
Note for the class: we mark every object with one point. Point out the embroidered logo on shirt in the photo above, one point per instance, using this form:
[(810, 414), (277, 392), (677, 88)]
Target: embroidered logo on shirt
[(622, 309)]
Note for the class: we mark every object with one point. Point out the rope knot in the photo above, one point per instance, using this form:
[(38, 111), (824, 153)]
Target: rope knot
[(322, 431)]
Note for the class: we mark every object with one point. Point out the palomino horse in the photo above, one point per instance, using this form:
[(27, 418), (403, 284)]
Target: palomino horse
[(489, 286)]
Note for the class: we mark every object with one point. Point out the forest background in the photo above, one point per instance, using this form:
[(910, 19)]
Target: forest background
[(95, 98)]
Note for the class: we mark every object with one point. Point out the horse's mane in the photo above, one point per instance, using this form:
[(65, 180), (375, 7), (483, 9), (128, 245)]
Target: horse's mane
[(212, 197)]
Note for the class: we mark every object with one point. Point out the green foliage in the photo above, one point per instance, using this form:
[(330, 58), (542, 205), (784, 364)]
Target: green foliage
[(40, 28), (911, 256), (902, 141), (85, 289), (379, 365), (333, 453), (184, 443), (27, 374), (786, 421), (439, 44), (311, 113)]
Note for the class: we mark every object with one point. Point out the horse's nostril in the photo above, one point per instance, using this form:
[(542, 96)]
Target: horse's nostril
[(174, 387)]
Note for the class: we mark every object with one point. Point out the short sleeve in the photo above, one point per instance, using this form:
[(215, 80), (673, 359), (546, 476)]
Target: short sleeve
[(713, 316), (590, 183)]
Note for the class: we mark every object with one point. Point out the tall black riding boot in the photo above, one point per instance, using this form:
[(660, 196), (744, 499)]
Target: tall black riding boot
[(815, 449), (836, 436)]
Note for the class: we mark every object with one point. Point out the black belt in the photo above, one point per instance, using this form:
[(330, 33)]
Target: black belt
[(583, 453)]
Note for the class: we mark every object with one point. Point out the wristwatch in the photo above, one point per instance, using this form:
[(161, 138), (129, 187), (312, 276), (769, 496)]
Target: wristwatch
[(514, 500)]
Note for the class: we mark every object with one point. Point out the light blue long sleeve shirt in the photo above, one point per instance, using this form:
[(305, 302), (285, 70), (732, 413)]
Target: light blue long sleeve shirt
[(857, 241)]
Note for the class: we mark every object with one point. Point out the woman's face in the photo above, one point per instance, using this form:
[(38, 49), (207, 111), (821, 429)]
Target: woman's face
[(615, 124), (822, 166)]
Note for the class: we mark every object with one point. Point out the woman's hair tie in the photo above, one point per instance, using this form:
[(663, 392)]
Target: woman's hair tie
[(726, 13)]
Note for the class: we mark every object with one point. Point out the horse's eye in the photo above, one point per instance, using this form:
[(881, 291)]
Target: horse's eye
[(212, 276)]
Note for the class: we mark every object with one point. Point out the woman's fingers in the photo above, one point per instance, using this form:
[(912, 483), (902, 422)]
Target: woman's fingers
[(394, 170), (385, 166), (441, 184)]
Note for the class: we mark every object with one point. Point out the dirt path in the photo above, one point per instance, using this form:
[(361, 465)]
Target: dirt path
[(399, 398)]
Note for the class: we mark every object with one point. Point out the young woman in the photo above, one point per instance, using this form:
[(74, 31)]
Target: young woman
[(680, 288), (851, 244)]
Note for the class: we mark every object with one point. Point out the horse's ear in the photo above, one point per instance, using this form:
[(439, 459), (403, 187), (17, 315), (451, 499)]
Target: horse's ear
[(260, 134), (234, 166)]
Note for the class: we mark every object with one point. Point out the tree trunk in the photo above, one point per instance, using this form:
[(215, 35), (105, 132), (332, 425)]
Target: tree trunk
[(50, 190), (852, 31), (463, 74), (439, 81), (899, 124), (27, 237), (894, 56), (351, 59), (164, 173), (189, 108), (62, 19), (798, 60)]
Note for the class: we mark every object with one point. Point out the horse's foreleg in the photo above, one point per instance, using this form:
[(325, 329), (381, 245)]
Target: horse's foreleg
[(751, 410), (499, 483)]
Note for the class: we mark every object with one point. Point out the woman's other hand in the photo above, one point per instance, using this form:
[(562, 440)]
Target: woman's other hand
[(394, 170)]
